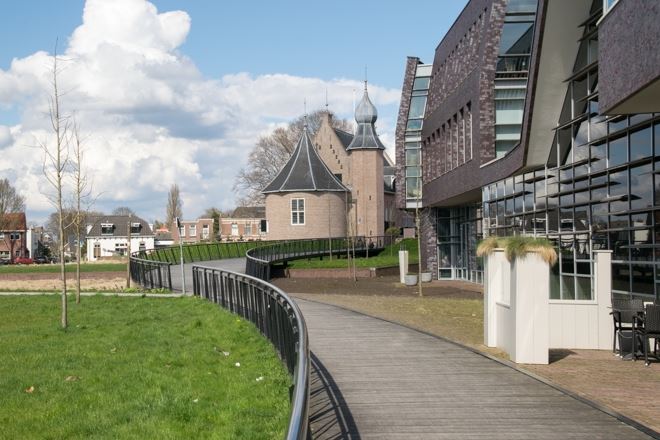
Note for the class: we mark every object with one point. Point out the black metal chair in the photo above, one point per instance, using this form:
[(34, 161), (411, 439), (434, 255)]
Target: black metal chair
[(623, 312), (645, 327)]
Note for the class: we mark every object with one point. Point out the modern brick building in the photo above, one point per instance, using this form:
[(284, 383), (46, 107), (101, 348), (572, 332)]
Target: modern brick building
[(341, 183), (537, 117)]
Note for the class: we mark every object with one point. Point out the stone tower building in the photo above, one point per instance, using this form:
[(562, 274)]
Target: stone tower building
[(305, 200), (366, 177), (341, 181)]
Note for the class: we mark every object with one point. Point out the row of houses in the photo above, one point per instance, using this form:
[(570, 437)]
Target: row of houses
[(109, 236)]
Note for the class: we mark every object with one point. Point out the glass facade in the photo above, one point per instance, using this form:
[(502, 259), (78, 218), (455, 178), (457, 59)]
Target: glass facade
[(512, 70), (600, 189), (458, 232), (413, 134)]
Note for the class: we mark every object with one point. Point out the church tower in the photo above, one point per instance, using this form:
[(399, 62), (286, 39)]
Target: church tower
[(367, 184)]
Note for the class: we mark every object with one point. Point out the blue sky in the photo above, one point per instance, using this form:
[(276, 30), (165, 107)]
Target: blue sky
[(227, 71)]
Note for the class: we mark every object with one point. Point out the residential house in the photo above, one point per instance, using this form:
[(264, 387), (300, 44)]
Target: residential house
[(193, 231), (13, 228), (110, 236), (246, 223)]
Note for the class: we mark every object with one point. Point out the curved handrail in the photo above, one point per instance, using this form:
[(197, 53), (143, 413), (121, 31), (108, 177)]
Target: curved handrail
[(259, 260), (149, 273), (277, 317)]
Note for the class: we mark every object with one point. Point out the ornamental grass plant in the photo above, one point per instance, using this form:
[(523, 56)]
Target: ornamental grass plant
[(518, 247)]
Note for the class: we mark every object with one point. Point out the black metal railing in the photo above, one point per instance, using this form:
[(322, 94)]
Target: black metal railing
[(259, 260), (277, 317), (151, 274)]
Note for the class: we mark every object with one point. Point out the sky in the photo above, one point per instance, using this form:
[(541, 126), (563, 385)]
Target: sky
[(175, 91)]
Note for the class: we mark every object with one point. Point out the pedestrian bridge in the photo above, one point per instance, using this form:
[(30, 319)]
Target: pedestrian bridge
[(373, 379)]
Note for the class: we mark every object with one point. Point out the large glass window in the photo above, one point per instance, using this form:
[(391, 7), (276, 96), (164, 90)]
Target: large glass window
[(417, 106)]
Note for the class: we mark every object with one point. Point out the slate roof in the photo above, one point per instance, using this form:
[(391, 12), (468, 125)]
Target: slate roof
[(365, 135), (120, 226), (344, 137), (304, 172), (249, 212)]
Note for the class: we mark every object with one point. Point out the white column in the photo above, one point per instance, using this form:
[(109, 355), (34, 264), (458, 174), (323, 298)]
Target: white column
[(532, 312), (603, 296)]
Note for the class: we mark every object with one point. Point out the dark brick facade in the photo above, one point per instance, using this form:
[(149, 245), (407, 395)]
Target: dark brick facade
[(629, 58), (404, 106), (462, 85)]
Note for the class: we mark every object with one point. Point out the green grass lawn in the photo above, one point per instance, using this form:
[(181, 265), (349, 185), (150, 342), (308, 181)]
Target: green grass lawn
[(136, 368), (388, 257), (55, 268)]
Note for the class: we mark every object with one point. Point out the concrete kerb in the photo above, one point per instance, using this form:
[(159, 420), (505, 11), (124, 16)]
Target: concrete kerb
[(609, 411)]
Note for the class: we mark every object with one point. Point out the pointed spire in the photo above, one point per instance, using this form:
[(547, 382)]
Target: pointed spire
[(365, 116)]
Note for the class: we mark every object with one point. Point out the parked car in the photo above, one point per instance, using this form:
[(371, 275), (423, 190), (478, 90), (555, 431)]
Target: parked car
[(41, 260), (4, 261), (23, 260)]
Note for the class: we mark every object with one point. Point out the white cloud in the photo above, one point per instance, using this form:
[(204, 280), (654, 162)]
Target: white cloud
[(149, 116)]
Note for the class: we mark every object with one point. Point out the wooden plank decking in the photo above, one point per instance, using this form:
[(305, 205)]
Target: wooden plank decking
[(377, 380)]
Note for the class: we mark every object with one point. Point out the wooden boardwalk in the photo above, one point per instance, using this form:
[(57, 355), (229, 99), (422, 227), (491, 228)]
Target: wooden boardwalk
[(377, 380)]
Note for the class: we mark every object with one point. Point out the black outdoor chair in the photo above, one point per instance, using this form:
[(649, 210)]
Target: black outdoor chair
[(623, 312), (645, 327)]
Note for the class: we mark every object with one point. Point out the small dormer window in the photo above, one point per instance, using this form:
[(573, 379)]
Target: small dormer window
[(135, 228), (107, 228)]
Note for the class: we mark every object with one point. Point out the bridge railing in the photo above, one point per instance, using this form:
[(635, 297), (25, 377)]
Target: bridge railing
[(149, 273), (259, 260), (277, 317)]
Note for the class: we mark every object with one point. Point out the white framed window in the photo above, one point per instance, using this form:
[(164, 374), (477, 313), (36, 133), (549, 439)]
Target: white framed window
[(205, 231), (297, 211), (135, 228), (248, 229), (234, 229), (182, 231), (192, 230), (107, 228)]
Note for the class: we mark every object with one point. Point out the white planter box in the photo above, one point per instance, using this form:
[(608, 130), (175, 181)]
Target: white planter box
[(411, 280)]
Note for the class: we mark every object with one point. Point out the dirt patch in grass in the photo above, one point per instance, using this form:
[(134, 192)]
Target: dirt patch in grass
[(102, 281)]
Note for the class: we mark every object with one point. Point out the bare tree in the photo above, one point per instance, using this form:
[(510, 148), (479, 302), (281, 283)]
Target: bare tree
[(82, 198), (271, 153), (174, 204), (55, 161), (123, 210), (10, 202)]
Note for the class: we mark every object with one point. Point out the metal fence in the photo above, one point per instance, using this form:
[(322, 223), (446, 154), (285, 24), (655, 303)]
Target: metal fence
[(259, 259), (277, 317), (151, 274)]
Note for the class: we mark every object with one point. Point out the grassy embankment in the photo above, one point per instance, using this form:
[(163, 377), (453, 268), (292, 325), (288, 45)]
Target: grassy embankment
[(388, 257), (136, 368)]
